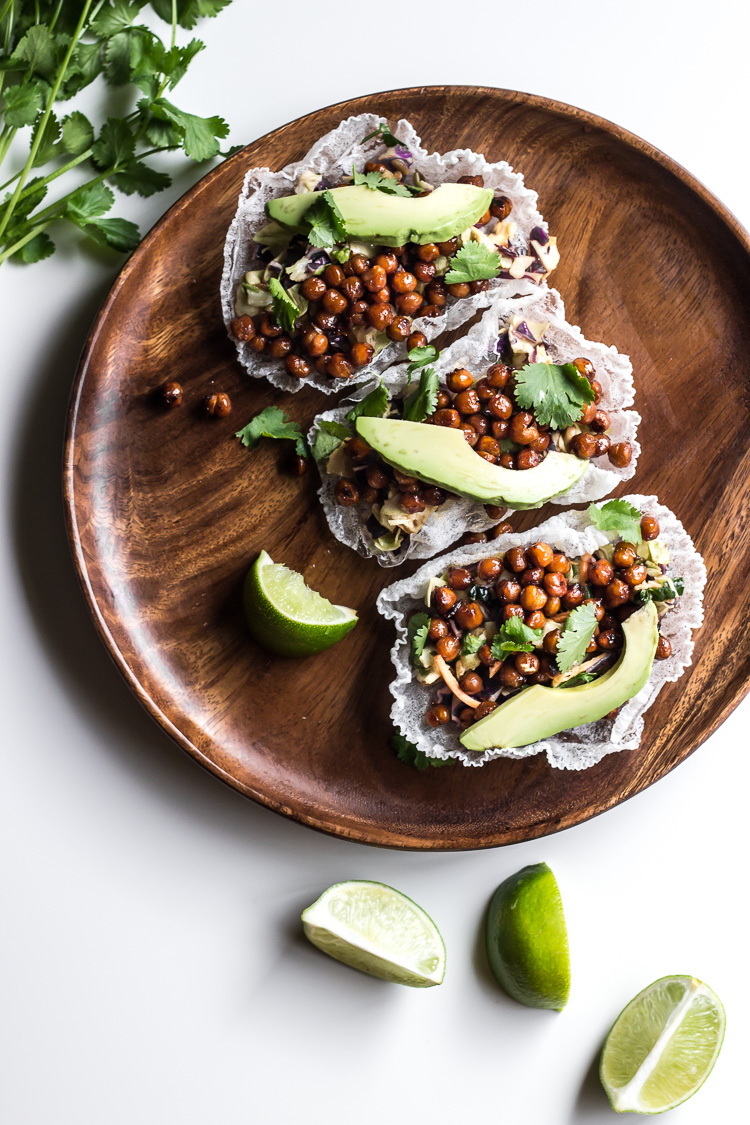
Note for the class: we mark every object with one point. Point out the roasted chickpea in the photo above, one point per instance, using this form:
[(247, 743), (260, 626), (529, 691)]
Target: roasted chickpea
[(280, 347), (597, 389), (443, 400), (433, 496), (485, 655), (374, 279), (484, 391), (427, 252), (616, 593), (663, 648), (443, 600), (379, 316), (460, 380), (649, 527), (598, 607), (436, 293), (467, 401), (540, 554), (359, 263), (499, 429), (500, 406), (416, 340), (479, 423), (553, 605), (171, 395), (510, 609), (316, 343), (510, 677), (608, 639), (600, 572), (437, 715), (498, 376), (533, 597), (437, 629), (489, 445), (268, 326), (574, 596), (399, 327), (522, 428), (528, 459), (471, 683), (508, 590), (339, 366), (448, 648), (459, 289), (624, 554), (403, 282), (559, 563), (387, 262), (473, 537), (411, 502), (258, 343), (470, 433), (620, 454), (588, 415), (469, 615), (448, 248), (361, 354), (477, 181), (603, 443), (535, 618), (354, 315), (555, 584), (243, 328), (347, 492), (635, 574), (532, 576), (486, 707), (408, 303), (334, 302), (379, 297), (526, 663), (600, 422), (467, 715), (540, 444), (357, 448), (515, 560), (551, 641), (424, 271), (459, 578), (488, 569), (352, 288), (584, 446), (298, 366), (405, 482), (449, 417), (585, 367), (500, 207), (494, 512)]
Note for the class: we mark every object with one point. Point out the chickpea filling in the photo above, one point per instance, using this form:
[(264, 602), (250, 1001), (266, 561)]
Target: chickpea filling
[(494, 425), (462, 648), (357, 297)]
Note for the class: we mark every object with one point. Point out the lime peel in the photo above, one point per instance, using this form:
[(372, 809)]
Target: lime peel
[(376, 929), (286, 616)]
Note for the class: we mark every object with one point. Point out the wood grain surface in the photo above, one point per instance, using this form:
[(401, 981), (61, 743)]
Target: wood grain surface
[(166, 510)]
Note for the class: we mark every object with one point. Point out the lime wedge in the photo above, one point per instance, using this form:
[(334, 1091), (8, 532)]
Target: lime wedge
[(286, 616), (663, 1046), (378, 930), (527, 940)]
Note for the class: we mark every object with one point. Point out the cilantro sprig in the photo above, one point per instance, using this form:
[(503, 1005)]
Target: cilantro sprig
[(408, 753), (272, 423), (575, 636), (50, 52), (329, 437), (383, 130), (556, 394), (417, 629), (619, 517), (473, 262), (373, 405), (424, 400), (285, 308), (376, 181), (514, 636)]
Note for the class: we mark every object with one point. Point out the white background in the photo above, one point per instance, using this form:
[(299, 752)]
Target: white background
[(152, 960)]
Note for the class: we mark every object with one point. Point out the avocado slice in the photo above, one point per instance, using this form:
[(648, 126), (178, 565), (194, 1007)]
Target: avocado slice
[(442, 456), (392, 220), (538, 712)]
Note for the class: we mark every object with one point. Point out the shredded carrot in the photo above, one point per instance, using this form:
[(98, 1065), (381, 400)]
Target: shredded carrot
[(452, 683), (495, 668)]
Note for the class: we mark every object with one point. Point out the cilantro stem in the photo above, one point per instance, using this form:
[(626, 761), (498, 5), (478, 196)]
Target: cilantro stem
[(47, 114), (22, 241), (174, 23), (6, 8)]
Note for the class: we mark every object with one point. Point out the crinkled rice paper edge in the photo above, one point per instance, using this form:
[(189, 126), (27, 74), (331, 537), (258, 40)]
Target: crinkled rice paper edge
[(585, 746), (333, 155)]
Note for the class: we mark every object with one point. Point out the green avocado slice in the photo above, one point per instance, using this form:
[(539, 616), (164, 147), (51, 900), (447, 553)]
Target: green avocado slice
[(392, 220), (538, 712), (442, 456)]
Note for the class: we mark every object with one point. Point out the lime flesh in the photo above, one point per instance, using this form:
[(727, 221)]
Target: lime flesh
[(662, 1046), (527, 940), (288, 618), (376, 929)]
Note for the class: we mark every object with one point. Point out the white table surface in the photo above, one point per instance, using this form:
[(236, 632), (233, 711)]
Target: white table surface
[(153, 964)]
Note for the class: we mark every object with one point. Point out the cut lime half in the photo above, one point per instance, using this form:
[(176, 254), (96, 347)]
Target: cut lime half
[(378, 930), (286, 616), (663, 1046), (527, 940)]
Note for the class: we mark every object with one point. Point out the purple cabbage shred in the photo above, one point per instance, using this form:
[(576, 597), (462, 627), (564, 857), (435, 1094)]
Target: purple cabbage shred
[(403, 154), (540, 235)]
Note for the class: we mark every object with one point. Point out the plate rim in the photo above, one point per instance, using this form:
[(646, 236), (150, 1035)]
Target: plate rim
[(366, 835)]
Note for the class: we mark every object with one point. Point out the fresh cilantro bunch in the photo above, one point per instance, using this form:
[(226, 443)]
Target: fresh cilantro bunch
[(51, 50), (556, 394)]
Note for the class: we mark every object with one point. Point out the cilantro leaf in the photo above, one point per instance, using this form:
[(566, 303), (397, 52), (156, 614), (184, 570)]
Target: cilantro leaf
[(373, 405), (617, 516), (473, 262), (369, 179), (116, 17), (22, 104), (556, 394), (424, 400), (139, 178), (575, 637), (669, 589), (37, 50), (337, 218), (408, 753), (285, 309), (272, 423), (200, 135), (49, 140), (417, 628), (38, 248), (322, 231), (188, 11), (116, 234), (514, 636), (581, 678), (382, 131), (471, 644), (420, 357), (114, 145), (88, 203), (77, 134), (328, 438), (376, 181)]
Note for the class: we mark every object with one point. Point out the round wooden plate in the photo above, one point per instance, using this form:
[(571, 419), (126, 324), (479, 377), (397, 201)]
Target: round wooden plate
[(166, 510)]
